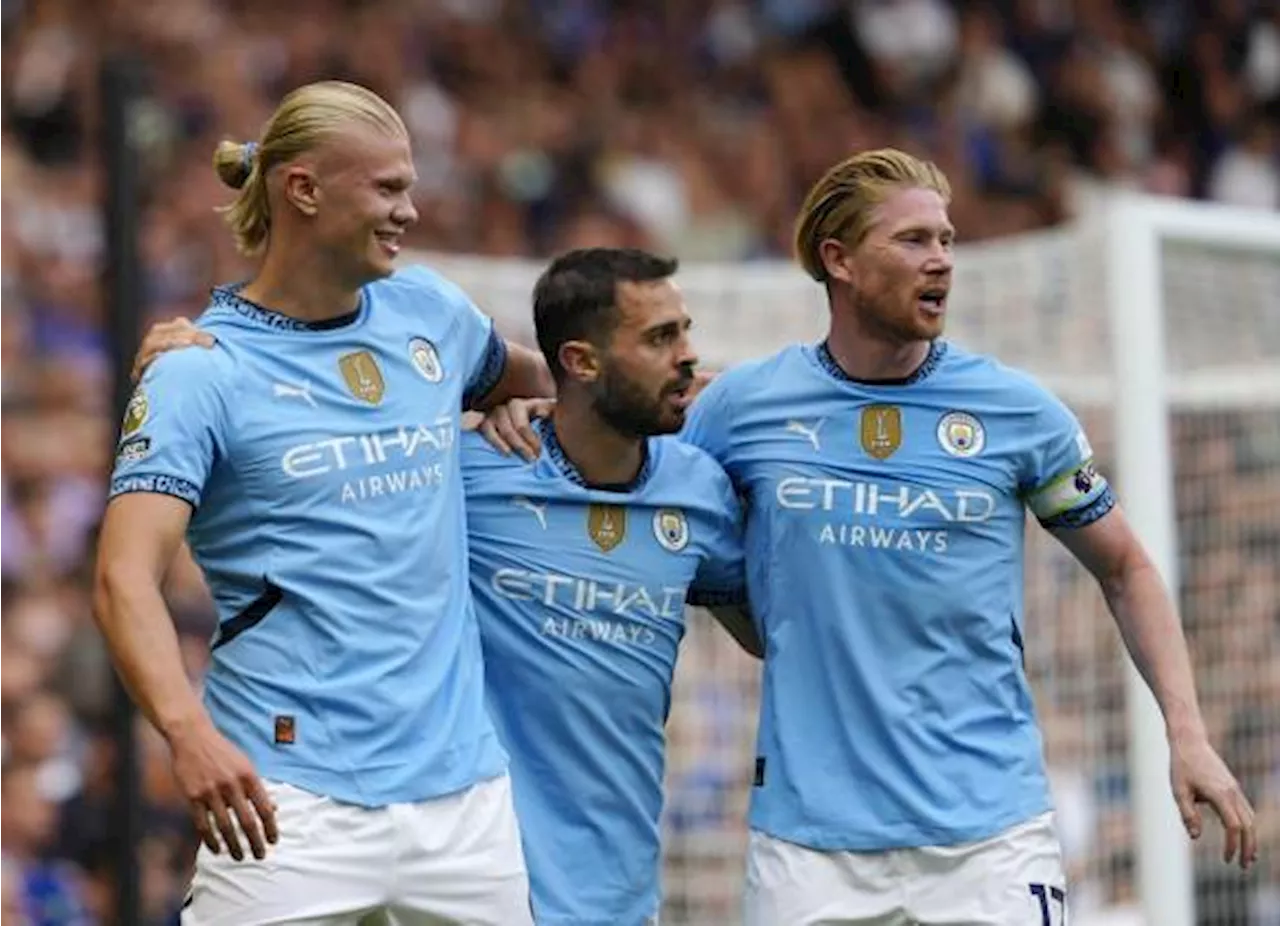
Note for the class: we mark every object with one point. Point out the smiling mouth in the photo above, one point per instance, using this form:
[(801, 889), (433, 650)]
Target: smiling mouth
[(390, 241)]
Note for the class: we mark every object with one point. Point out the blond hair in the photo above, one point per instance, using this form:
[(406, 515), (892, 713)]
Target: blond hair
[(840, 205), (304, 119)]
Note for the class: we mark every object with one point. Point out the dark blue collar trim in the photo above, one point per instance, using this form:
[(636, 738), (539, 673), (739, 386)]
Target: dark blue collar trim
[(555, 452), (937, 350), (228, 297)]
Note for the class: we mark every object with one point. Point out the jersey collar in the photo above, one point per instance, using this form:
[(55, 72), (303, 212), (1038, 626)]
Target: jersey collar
[(555, 453), (228, 297), (937, 350)]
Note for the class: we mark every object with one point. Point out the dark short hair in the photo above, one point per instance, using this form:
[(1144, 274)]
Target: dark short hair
[(576, 297)]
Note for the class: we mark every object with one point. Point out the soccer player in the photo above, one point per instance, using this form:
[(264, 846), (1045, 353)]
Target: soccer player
[(886, 472), (581, 565), (311, 459)]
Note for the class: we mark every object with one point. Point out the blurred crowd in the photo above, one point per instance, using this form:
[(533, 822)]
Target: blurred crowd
[(689, 126)]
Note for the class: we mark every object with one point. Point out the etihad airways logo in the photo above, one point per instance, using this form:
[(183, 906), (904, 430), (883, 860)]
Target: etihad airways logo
[(877, 500), (588, 595), (405, 444)]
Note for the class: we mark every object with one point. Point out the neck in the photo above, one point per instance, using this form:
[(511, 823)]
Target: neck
[(602, 455), (871, 355), (301, 284)]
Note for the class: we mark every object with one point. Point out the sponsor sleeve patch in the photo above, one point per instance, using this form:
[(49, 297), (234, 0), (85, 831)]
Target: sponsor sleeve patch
[(156, 483), (1079, 489)]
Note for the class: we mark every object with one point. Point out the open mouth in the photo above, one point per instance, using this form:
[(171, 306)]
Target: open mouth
[(933, 300), (681, 395), (389, 241)]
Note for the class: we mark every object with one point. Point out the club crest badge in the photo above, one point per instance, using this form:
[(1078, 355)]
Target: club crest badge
[(426, 360), (671, 529), (961, 434)]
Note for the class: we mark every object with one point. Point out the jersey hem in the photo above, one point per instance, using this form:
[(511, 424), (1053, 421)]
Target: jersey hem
[(829, 839), (337, 786)]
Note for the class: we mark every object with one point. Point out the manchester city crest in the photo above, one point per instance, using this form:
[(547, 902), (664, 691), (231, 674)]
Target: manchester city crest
[(425, 358), (671, 529), (961, 434)]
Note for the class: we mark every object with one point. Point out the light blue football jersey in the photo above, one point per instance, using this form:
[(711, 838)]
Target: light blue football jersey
[(322, 462), (580, 594), (885, 529)]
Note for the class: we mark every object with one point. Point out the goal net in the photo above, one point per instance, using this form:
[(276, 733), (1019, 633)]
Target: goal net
[(1044, 302)]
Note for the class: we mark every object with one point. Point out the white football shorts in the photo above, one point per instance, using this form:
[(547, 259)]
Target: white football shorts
[(450, 860), (1015, 878)]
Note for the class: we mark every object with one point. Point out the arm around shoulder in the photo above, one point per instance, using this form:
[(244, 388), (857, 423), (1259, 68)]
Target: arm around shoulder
[(524, 376)]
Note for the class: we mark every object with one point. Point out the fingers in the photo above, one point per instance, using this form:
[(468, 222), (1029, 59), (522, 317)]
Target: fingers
[(1188, 810), (1225, 808), (1248, 846), (162, 337), (247, 818), (1248, 830), (489, 431), (520, 434), (204, 827), (217, 807), (264, 807)]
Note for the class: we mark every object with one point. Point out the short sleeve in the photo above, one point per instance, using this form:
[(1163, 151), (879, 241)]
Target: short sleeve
[(484, 350), (1061, 483), (173, 428), (481, 351)]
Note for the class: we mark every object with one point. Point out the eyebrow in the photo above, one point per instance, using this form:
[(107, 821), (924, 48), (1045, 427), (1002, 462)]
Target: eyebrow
[(682, 323)]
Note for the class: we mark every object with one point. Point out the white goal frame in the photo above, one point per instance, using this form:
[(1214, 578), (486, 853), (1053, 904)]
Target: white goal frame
[(1137, 227)]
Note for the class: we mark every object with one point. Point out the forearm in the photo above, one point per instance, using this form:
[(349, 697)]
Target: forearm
[(1148, 622), (140, 635)]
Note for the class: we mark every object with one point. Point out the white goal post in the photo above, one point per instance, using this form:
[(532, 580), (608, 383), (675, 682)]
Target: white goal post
[(1146, 310), (1138, 231)]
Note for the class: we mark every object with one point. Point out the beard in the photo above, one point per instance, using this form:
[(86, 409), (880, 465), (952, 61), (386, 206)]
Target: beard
[(882, 318), (631, 411)]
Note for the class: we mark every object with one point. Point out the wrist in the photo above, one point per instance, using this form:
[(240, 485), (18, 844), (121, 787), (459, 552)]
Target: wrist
[(178, 725), (1185, 726)]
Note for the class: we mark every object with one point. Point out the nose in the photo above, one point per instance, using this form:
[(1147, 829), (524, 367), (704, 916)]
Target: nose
[(686, 356), (405, 212), (941, 260)]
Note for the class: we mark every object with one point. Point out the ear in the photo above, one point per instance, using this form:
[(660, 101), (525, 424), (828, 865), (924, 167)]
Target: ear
[(581, 360), (301, 190), (837, 260)]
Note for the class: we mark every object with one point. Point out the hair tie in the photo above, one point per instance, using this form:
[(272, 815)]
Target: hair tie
[(246, 156)]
